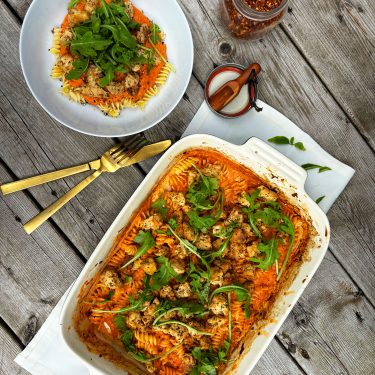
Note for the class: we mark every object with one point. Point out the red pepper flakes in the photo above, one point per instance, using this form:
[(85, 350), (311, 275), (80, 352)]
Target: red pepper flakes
[(263, 5)]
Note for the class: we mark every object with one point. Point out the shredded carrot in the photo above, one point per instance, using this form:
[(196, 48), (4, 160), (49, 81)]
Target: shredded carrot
[(76, 82), (140, 17), (64, 50), (81, 5), (65, 23), (93, 101)]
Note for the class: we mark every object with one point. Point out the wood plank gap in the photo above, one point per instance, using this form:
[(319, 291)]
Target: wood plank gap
[(13, 11), (11, 333), (358, 128), (359, 292), (290, 355), (53, 223)]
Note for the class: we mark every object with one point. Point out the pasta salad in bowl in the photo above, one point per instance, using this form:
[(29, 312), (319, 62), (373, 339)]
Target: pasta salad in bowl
[(110, 67)]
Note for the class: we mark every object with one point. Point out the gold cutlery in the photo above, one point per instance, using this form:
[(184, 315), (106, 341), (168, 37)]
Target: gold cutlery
[(26, 183), (119, 156)]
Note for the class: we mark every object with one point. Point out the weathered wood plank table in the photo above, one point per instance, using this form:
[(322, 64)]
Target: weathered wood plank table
[(318, 70)]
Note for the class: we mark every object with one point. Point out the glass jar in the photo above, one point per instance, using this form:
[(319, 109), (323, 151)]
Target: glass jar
[(252, 19)]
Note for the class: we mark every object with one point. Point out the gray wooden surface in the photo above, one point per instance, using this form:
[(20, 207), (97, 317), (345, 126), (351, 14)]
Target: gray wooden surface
[(318, 70)]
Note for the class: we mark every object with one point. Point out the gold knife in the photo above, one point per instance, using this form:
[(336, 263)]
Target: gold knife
[(109, 163)]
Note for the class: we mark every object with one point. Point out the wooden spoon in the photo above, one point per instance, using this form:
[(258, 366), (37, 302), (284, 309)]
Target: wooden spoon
[(226, 93)]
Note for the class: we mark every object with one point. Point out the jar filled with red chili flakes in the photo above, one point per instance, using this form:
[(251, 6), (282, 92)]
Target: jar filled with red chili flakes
[(252, 19)]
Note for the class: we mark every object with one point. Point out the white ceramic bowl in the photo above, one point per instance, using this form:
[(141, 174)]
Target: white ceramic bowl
[(36, 62), (264, 161)]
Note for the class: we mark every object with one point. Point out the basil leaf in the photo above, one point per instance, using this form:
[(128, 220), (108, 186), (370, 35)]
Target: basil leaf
[(146, 241)]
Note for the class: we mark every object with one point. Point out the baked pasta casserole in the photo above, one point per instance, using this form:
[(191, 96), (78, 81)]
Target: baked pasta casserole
[(196, 269)]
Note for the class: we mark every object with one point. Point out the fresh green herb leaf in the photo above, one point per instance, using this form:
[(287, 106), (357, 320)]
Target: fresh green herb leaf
[(173, 223), (191, 329), (300, 146), (203, 223), (320, 199), (309, 166), (198, 194), (146, 242), (271, 254), (155, 33), (160, 206), (207, 360), (127, 339), (120, 323), (73, 3), (163, 275), (281, 140), (79, 67)]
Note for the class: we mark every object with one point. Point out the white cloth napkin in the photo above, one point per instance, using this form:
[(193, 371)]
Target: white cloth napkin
[(47, 354)]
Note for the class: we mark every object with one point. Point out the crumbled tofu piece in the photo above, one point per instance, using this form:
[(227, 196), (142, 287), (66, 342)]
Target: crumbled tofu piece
[(248, 271), (243, 201), (180, 252), (267, 194), (178, 199), (90, 6), (182, 290), (175, 330), (110, 278), (235, 216), (186, 209), (153, 222), (193, 177), (66, 62), (166, 292), (115, 88), (217, 276), (134, 320), (129, 8), (67, 35), (162, 251), (131, 81), (217, 243), (216, 321), (143, 34), (238, 251), (188, 363), (219, 305), (252, 250), (246, 228), (238, 236), (203, 242), (212, 170), (136, 68), (76, 17), (149, 266), (94, 91), (187, 232), (93, 75), (178, 266)]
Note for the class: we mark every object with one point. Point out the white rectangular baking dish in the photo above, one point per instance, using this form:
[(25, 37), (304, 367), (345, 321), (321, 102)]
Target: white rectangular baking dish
[(264, 161)]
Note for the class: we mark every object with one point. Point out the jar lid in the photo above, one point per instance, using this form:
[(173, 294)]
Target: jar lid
[(243, 102)]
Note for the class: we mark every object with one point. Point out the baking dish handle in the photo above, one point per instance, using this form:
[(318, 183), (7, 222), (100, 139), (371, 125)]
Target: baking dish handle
[(277, 162)]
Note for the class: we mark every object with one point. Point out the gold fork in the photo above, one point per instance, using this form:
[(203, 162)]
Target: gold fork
[(115, 158)]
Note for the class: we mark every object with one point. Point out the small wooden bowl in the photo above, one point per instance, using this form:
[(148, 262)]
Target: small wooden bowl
[(240, 105)]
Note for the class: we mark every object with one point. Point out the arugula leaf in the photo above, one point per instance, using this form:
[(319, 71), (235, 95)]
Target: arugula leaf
[(73, 3), (191, 329), (120, 322), (79, 67), (318, 200), (309, 166), (146, 241), (155, 31), (160, 206), (108, 77), (89, 44), (127, 340), (207, 360), (184, 309), (202, 223), (173, 223), (163, 275), (126, 38), (269, 248), (281, 140), (201, 290), (198, 194)]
